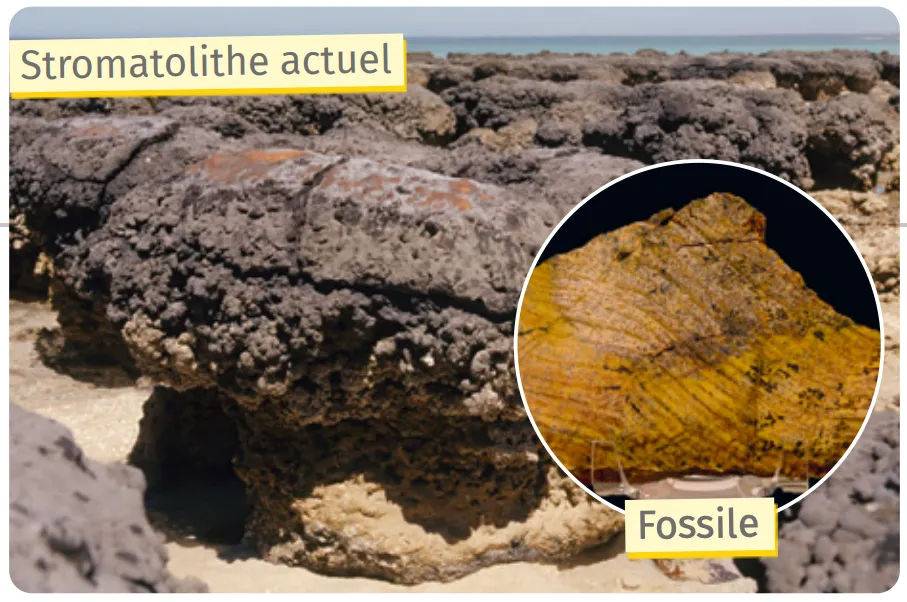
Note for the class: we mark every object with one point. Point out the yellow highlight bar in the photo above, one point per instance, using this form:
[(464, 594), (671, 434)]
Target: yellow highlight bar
[(701, 528), (222, 66)]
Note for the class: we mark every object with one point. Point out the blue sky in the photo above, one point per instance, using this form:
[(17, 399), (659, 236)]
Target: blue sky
[(46, 22)]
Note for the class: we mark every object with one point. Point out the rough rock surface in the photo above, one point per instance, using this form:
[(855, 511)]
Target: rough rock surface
[(562, 177), (77, 526), (846, 536), (311, 292), (708, 120), (734, 367), (849, 138), (418, 114), (813, 75), (499, 101)]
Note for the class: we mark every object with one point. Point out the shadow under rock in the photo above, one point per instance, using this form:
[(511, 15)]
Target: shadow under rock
[(209, 513), (185, 448), (80, 363)]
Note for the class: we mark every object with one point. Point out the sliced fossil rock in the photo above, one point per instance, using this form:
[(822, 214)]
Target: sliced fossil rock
[(684, 345)]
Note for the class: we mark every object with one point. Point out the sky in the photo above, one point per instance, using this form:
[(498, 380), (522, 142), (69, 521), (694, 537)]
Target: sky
[(49, 23)]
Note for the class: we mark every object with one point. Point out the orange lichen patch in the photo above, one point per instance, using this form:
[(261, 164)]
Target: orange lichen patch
[(231, 168), (417, 191), (370, 184), (96, 130), (457, 195), (684, 345)]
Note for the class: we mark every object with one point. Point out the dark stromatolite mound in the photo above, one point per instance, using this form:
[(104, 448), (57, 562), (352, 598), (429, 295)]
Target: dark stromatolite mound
[(418, 114), (890, 66), (849, 139), (708, 120), (812, 74), (501, 100), (847, 532), (77, 525), (289, 258), (65, 174), (317, 297), (59, 179), (817, 75), (365, 141)]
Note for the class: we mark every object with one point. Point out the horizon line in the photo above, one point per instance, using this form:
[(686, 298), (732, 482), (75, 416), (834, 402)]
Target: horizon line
[(890, 35), (657, 35)]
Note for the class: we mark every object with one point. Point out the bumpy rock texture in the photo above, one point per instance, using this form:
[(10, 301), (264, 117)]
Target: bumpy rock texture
[(690, 346), (848, 140), (846, 537), (312, 296), (330, 282), (708, 120), (77, 526)]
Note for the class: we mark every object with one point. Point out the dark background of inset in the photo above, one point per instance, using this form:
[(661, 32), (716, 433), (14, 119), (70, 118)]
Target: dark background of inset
[(799, 231)]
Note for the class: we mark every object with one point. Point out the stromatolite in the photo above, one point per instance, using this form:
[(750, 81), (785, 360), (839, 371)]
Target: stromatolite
[(78, 526), (685, 345), (845, 537), (369, 377)]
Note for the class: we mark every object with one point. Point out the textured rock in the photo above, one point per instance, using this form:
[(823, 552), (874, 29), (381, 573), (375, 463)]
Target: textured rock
[(823, 75), (446, 76), (59, 181), (708, 120), (501, 100), (29, 268), (561, 177), (418, 114), (77, 526), (761, 80), (849, 138), (65, 174), (734, 368), (313, 294), (514, 136), (890, 66), (811, 74), (78, 107), (846, 535), (364, 141)]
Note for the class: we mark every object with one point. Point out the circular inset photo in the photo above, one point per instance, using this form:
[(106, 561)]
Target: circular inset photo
[(698, 329)]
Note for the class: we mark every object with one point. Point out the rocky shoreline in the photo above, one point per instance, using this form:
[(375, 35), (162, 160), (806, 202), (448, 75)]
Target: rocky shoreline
[(333, 279)]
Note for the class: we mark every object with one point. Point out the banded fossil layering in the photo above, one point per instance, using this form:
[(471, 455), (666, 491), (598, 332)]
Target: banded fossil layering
[(684, 345)]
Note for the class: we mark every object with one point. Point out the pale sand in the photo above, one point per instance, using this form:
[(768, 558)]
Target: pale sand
[(104, 417)]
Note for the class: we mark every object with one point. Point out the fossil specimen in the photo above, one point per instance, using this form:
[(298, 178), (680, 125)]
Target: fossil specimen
[(684, 345)]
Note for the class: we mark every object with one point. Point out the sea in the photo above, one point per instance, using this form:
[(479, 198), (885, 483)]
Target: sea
[(441, 46)]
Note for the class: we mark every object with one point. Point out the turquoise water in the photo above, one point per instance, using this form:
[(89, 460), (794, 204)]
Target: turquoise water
[(629, 44)]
